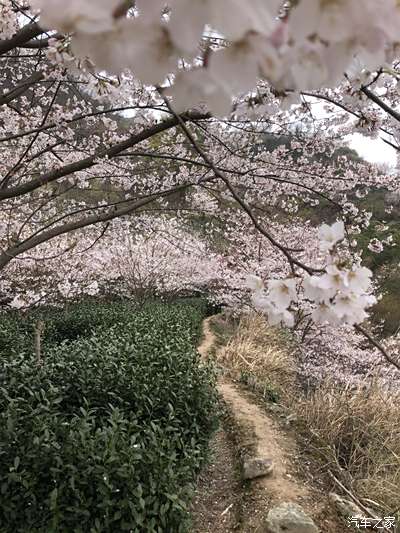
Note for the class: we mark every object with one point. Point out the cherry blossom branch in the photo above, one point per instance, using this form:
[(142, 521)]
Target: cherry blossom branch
[(24, 35), (83, 164), (9, 174), (286, 251), (348, 110), (377, 345), (83, 210), (32, 242), (21, 88), (38, 44), (79, 118), (383, 105), (251, 173)]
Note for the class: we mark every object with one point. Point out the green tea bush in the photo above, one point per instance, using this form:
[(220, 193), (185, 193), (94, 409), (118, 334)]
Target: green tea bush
[(69, 323), (108, 434), (79, 320)]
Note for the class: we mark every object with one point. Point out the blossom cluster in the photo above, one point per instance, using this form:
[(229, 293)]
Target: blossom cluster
[(338, 296), (218, 49)]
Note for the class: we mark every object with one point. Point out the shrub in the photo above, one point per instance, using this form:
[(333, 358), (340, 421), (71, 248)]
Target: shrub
[(61, 324), (109, 432), (80, 320)]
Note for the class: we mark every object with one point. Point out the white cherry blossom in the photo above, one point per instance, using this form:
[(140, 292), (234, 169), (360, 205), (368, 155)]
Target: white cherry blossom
[(312, 47), (331, 235), (254, 57), (375, 245), (255, 283), (91, 16), (359, 280), (282, 292), (261, 301), (335, 279), (349, 308), (240, 57), (232, 18), (275, 315), (116, 50), (315, 291), (200, 87), (324, 314), (150, 9), (311, 17)]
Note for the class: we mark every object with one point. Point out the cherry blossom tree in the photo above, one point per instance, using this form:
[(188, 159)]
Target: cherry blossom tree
[(119, 116)]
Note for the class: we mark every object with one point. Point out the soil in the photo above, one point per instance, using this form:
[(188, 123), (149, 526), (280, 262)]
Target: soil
[(216, 504), (223, 502), (208, 339)]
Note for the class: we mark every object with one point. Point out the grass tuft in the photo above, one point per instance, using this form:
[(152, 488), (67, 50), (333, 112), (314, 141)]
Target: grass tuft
[(256, 350), (356, 435)]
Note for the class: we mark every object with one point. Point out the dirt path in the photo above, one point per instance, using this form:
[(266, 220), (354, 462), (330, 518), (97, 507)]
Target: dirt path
[(220, 498), (260, 433), (216, 504), (207, 340), (267, 437)]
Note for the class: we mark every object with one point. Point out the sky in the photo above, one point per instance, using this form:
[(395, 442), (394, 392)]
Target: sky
[(372, 150)]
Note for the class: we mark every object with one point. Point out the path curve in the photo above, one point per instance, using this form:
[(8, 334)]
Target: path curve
[(208, 339), (259, 432)]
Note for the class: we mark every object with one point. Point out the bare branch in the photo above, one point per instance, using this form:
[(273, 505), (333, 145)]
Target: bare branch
[(377, 345), (24, 35), (21, 88)]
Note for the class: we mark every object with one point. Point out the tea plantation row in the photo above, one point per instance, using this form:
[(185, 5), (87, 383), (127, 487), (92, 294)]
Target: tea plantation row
[(107, 434)]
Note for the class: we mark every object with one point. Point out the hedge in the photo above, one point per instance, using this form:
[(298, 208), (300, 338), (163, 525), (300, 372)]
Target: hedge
[(108, 433)]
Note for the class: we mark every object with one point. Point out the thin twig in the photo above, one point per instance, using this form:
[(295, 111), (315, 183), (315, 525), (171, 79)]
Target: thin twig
[(377, 345), (356, 500)]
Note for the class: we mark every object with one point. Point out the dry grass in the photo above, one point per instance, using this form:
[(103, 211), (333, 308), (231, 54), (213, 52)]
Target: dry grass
[(256, 349), (354, 432)]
